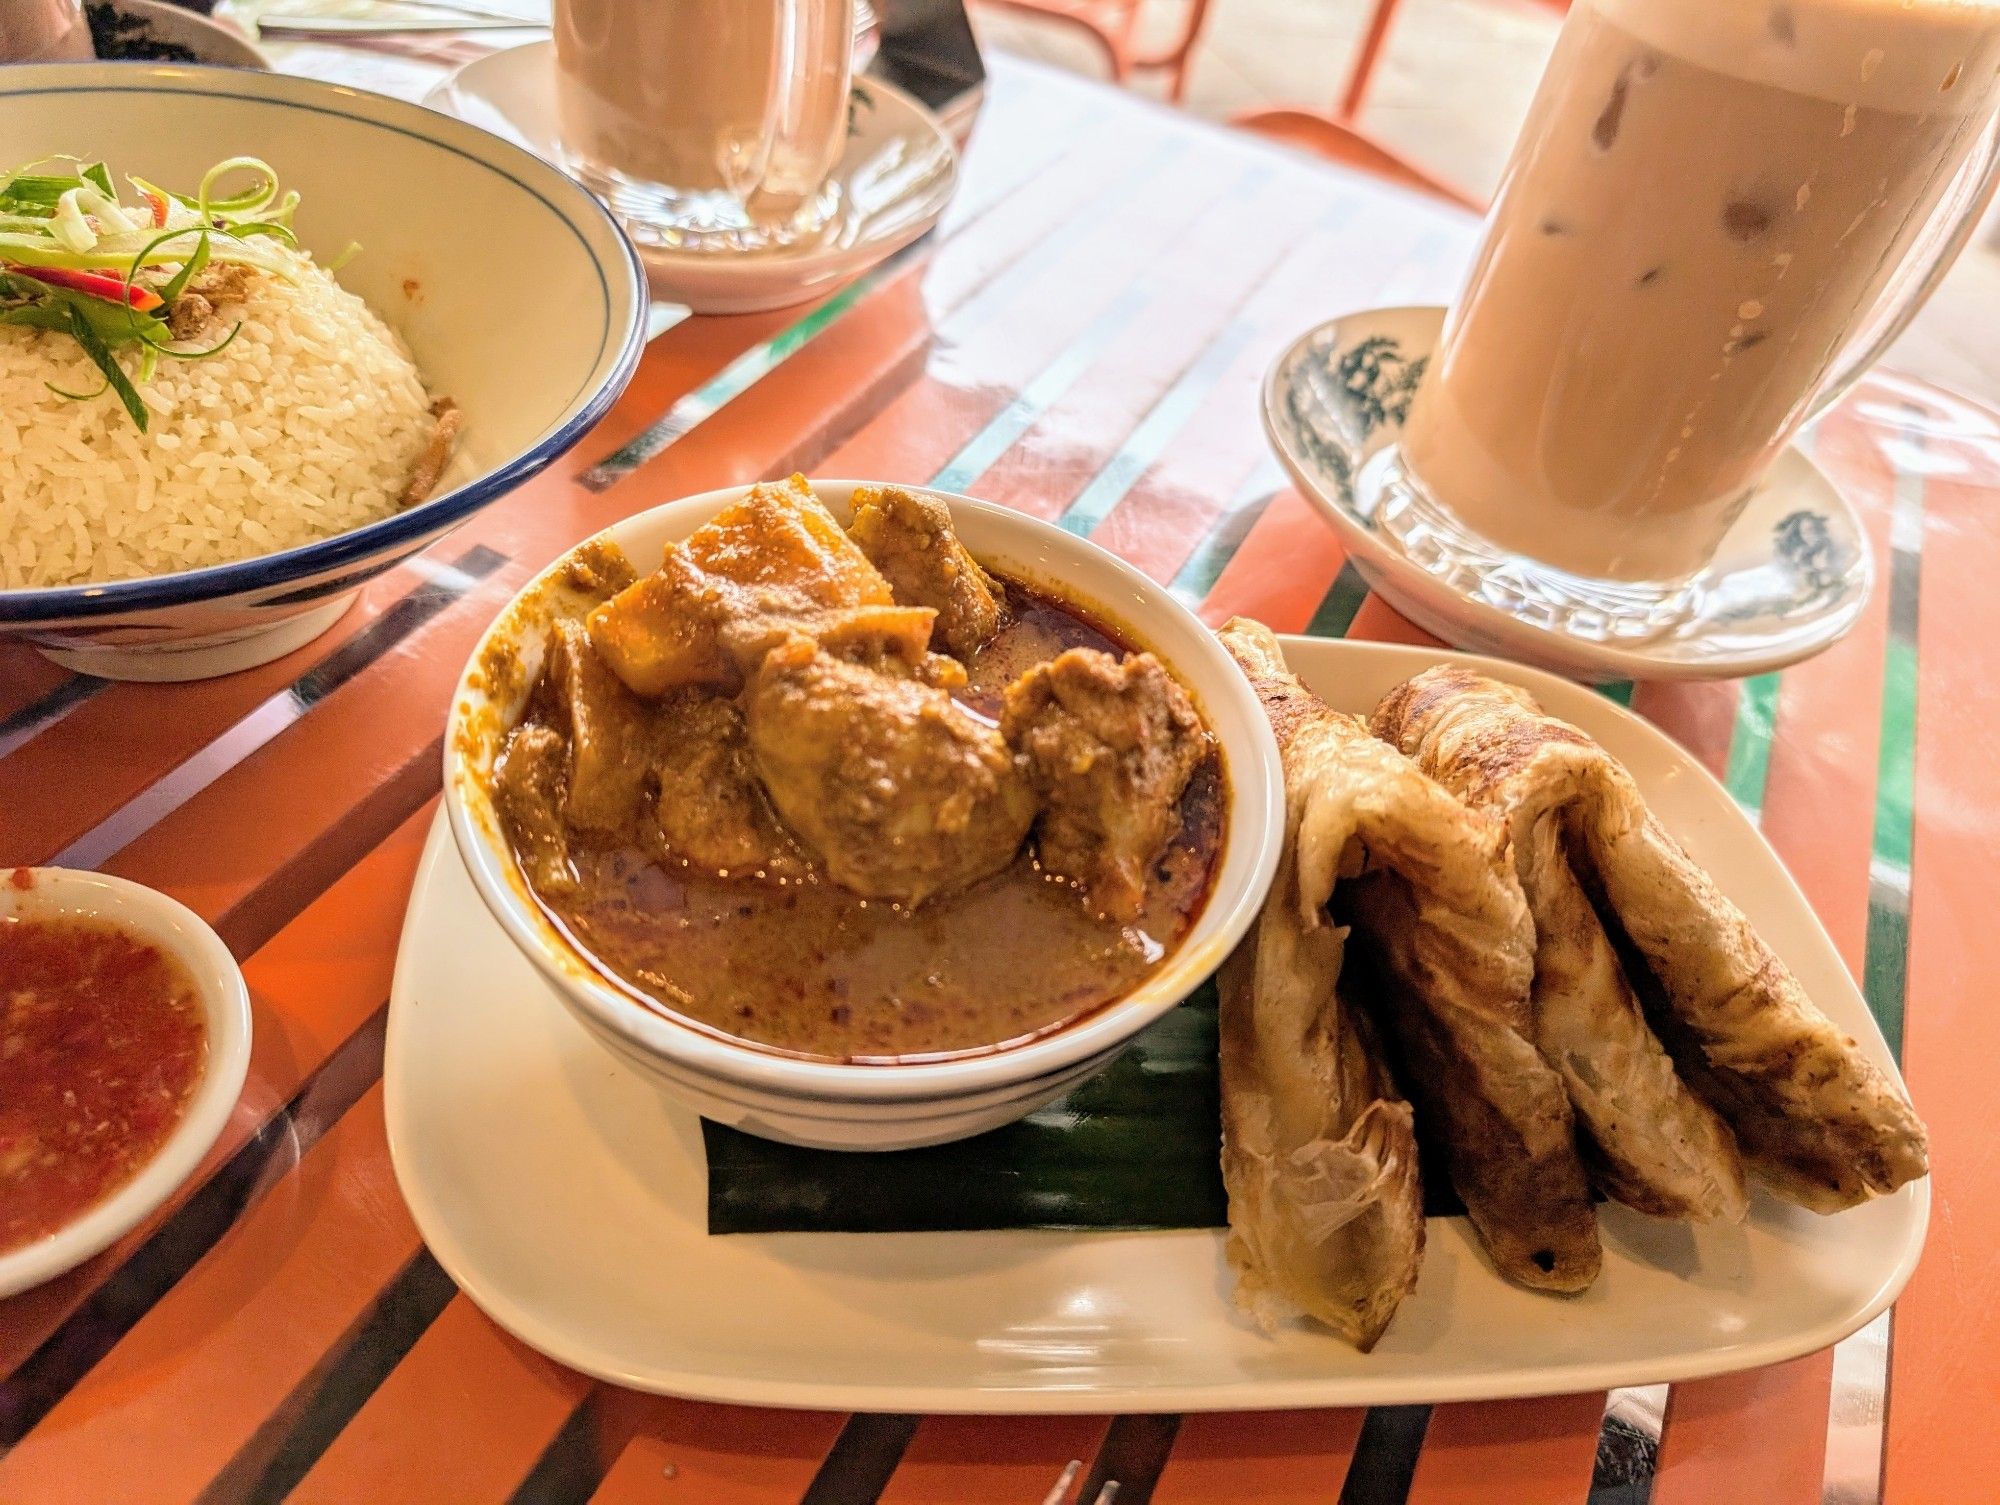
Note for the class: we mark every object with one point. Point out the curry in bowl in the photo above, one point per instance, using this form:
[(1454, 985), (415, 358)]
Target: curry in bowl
[(846, 793)]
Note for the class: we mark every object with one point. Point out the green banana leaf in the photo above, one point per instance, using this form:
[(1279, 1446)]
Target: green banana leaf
[(1136, 1146)]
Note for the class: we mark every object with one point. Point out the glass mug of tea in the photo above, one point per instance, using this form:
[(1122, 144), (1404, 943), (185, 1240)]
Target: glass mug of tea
[(707, 124), (1716, 217)]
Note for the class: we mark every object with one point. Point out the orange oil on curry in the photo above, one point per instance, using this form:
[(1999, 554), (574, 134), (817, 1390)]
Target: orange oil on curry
[(809, 968)]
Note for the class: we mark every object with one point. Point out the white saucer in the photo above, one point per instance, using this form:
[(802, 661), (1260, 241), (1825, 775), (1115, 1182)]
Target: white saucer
[(1788, 581), (896, 177), (567, 1195)]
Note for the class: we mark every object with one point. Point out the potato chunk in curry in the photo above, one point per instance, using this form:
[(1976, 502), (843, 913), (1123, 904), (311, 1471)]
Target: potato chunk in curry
[(774, 563)]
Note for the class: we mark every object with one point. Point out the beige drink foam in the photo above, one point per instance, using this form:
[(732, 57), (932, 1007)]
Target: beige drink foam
[(1706, 200)]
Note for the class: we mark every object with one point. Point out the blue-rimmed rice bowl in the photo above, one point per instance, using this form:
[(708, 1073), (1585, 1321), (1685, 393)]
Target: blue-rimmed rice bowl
[(519, 297)]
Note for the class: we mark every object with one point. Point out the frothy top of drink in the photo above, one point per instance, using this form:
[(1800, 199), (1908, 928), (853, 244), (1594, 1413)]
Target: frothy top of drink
[(1910, 56)]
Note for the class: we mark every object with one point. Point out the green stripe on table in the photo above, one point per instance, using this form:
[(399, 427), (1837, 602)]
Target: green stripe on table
[(1225, 535), (1337, 609), (1155, 431), (1749, 769), (736, 378), (1886, 963), (1048, 385)]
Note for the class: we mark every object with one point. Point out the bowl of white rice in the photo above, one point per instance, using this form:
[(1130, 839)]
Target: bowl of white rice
[(436, 316)]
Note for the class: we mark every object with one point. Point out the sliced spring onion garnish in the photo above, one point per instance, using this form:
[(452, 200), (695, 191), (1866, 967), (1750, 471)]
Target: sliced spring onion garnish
[(76, 260), (68, 225), (103, 208), (177, 284), (114, 374), (250, 201)]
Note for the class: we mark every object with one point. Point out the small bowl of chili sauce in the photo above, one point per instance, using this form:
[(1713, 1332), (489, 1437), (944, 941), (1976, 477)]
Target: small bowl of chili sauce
[(124, 1040)]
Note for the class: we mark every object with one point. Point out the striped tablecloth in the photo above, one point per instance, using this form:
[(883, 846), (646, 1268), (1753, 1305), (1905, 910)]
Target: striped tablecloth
[(1082, 339)]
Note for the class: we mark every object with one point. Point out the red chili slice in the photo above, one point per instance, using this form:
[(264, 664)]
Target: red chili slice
[(93, 284)]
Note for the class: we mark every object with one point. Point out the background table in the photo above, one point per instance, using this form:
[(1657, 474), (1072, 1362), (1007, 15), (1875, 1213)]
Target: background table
[(1082, 339)]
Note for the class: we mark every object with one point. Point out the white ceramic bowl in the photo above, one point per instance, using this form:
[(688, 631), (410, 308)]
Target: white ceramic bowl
[(451, 222), (887, 1106), (181, 933)]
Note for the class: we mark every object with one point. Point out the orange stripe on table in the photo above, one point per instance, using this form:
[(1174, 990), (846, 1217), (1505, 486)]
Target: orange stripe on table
[(1760, 1436), (786, 421), (378, 736), (1282, 570), (994, 346), (714, 1455), (1819, 804), (1379, 622), (1272, 1457), (1544, 1448), (968, 1460), (191, 1384), (1945, 1359), (1771, 1425), (25, 677), (1699, 716), (463, 1417), (311, 987), (48, 806)]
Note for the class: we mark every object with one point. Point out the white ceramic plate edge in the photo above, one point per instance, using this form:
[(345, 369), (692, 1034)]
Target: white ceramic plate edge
[(1332, 1390)]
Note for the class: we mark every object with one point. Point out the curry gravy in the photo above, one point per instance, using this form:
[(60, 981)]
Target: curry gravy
[(810, 968)]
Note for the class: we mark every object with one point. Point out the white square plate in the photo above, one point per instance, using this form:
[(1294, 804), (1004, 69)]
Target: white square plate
[(568, 1198)]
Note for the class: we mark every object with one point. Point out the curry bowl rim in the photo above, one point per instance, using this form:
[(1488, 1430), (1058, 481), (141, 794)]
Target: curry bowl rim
[(1100, 582)]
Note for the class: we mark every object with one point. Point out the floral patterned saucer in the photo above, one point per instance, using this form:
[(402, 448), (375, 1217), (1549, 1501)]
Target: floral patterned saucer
[(1789, 579)]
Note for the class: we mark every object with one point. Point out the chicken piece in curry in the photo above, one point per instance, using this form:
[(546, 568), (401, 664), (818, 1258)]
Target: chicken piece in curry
[(848, 793)]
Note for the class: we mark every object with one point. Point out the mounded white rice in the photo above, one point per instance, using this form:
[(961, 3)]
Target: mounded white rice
[(307, 425)]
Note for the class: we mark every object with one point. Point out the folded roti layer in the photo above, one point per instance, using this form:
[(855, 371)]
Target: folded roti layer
[(1436, 899), (1651, 1142), (1814, 1117)]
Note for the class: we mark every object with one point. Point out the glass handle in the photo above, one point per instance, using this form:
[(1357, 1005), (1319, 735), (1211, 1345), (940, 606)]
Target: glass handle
[(1957, 217)]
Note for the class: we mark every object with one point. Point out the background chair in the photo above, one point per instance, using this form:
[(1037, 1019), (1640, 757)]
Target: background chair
[(1340, 136), (1114, 26)]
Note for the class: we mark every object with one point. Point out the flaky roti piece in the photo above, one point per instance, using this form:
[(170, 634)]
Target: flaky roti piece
[(1815, 1118), (1436, 898), (1326, 1206), (1651, 1142)]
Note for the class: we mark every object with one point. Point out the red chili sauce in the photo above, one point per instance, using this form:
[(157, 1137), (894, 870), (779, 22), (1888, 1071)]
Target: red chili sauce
[(102, 1039)]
